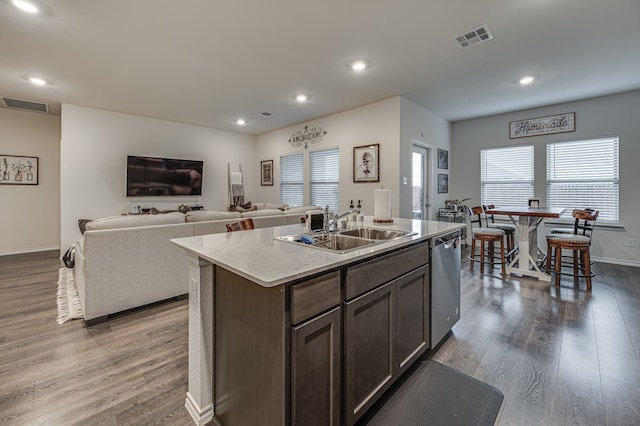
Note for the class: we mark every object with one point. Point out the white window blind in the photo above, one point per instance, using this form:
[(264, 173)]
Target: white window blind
[(584, 174), (325, 178), (506, 175), (292, 179)]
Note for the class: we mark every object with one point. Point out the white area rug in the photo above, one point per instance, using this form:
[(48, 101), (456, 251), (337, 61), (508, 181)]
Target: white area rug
[(68, 300)]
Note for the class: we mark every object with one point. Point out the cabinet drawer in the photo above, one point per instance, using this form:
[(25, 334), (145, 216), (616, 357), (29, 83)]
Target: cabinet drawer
[(314, 296), (368, 275)]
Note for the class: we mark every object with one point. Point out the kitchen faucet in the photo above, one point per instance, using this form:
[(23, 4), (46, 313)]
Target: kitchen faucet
[(328, 224)]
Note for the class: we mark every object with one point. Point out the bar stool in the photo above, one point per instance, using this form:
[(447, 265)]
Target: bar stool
[(578, 244), (240, 226), (485, 235), (508, 228)]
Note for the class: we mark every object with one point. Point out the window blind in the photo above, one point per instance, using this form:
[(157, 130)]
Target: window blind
[(325, 178), (583, 174), (292, 179), (506, 175)]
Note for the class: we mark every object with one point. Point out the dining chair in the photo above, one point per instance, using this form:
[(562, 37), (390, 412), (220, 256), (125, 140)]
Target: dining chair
[(580, 226), (490, 236), (240, 226), (579, 243), (508, 228)]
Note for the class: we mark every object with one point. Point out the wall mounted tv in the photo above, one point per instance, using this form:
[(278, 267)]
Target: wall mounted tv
[(158, 177)]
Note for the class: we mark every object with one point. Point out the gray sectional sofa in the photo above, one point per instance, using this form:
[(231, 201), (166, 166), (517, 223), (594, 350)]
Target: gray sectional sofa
[(127, 261)]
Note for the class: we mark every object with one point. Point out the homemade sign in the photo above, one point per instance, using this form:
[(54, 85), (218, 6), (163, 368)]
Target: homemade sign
[(560, 123)]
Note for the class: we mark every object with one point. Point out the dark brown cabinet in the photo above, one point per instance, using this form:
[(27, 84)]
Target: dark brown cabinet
[(315, 371), (369, 345), (412, 317), (316, 351), (386, 329)]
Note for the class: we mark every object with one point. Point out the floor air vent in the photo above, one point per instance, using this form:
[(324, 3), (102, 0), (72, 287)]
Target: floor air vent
[(473, 37), (25, 105)]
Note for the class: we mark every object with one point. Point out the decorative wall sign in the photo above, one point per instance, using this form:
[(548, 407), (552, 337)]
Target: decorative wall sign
[(266, 173), (366, 163), (443, 159), (561, 123), (443, 183), (18, 170), (307, 136)]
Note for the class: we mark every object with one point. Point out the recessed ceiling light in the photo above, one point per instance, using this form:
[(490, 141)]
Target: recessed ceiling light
[(38, 81), (25, 6), (302, 98), (241, 122), (359, 65), (526, 80)]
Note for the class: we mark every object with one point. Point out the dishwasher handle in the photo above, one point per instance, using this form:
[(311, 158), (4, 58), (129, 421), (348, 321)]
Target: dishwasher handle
[(447, 241)]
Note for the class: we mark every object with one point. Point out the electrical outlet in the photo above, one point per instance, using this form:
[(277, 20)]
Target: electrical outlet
[(631, 242)]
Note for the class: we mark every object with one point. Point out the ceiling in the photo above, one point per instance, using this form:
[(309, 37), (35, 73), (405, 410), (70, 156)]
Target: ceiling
[(207, 63)]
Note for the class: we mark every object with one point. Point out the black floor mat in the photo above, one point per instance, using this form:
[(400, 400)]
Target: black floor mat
[(434, 394)]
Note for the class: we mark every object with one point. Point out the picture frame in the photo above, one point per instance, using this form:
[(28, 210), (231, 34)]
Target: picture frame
[(443, 183), (18, 170), (366, 163), (443, 159), (266, 173)]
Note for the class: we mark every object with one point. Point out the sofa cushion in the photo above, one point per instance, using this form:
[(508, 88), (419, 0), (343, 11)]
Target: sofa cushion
[(266, 212), (205, 215), (132, 221), (302, 210)]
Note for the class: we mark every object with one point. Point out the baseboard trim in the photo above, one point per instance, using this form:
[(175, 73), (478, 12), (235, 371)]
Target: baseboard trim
[(199, 415), (616, 261), (31, 250)]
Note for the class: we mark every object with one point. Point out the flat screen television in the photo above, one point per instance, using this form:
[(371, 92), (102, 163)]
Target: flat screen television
[(158, 177)]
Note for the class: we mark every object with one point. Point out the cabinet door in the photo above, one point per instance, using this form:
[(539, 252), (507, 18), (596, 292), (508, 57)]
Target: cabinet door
[(369, 343), (412, 317), (315, 371)]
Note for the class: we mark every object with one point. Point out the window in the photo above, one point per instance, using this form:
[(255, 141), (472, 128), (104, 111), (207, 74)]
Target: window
[(584, 174), (325, 178), (507, 175), (292, 179)]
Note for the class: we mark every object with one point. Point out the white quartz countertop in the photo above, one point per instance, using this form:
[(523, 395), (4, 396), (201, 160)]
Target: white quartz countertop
[(258, 256)]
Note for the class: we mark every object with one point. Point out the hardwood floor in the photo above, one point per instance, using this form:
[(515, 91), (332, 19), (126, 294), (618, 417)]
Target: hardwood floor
[(559, 355)]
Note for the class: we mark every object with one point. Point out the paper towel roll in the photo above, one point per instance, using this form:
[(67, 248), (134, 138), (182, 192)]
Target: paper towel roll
[(382, 204)]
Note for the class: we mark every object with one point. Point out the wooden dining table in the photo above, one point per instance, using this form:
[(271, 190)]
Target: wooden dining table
[(524, 263)]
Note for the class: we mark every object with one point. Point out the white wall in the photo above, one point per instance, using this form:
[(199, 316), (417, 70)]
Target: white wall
[(419, 126), (93, 153), (29, 214), (369, 124), (608, 115)]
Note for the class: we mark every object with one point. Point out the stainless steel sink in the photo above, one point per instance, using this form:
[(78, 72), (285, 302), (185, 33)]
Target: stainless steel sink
[(377, 234), (333, 242)]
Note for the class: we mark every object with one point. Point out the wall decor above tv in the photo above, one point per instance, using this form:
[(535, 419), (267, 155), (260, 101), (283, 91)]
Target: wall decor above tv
[(159, 177)]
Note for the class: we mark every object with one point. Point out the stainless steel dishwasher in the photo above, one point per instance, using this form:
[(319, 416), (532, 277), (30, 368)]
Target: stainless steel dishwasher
[(445, 285)]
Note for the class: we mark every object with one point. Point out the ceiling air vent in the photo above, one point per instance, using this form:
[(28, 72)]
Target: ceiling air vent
[(25, 105), (266, 114), (473, 37)]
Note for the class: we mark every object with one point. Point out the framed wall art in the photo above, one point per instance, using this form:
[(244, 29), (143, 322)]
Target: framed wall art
[(18, 170), (266, 173), (443, 183), (366, 163), (443, 159)]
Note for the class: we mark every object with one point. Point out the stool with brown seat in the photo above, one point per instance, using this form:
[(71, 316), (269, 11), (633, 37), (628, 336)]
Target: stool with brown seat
[(240, 226), (508, 228), (578, 243), (485, 235)]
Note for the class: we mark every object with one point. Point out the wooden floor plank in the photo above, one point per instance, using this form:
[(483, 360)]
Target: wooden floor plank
[(561, 355)]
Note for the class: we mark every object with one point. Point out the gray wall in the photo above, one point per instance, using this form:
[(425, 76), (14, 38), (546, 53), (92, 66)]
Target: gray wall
[(607, 115)]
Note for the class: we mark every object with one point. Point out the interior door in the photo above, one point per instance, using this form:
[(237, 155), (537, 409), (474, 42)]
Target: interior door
[(419, 182)]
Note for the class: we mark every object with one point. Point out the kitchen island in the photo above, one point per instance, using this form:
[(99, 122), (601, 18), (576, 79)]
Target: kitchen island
[(284, 334)]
